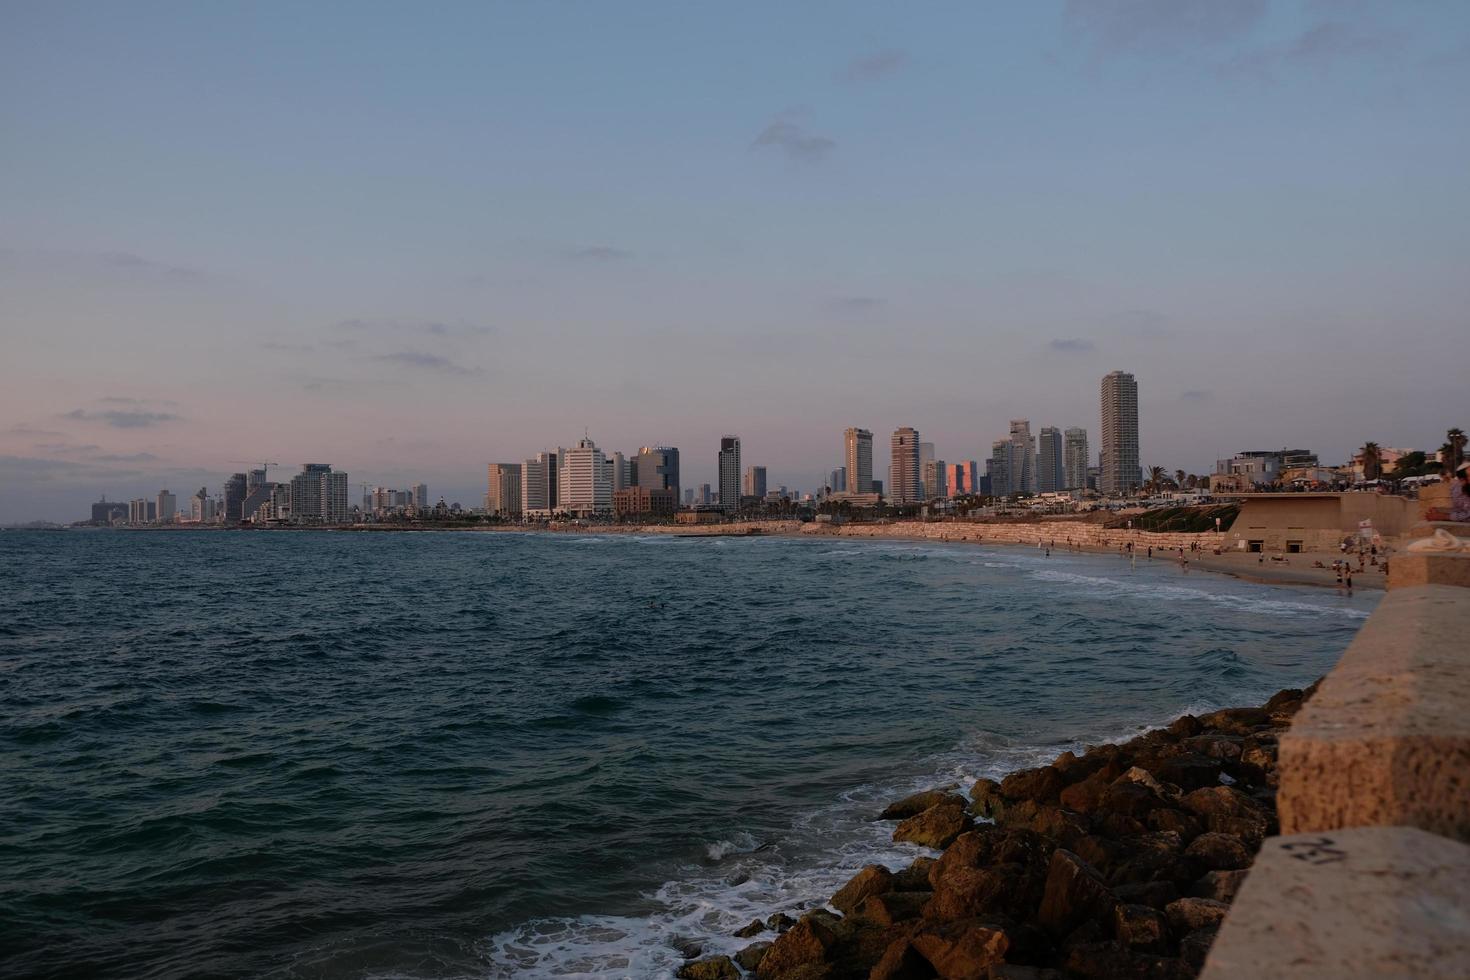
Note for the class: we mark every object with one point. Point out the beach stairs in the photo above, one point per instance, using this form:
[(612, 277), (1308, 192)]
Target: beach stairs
[(1370, 876)]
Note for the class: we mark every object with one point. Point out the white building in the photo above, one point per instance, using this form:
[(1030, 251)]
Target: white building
[(1074, 464), (1023, 457), (584, 481)]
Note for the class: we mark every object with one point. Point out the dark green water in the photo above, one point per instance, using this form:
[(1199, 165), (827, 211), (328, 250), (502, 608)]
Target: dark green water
[(323, 754)]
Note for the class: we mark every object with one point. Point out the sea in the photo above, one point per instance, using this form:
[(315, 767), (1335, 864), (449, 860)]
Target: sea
[(468, 754)]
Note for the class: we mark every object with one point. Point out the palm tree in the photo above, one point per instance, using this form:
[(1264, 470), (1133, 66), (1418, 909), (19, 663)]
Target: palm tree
[(1179, 479), (1156, 477), (1372, 461), (1456, 443)]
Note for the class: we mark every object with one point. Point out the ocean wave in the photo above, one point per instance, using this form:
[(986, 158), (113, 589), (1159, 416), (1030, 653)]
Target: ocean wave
[(1151, 589)]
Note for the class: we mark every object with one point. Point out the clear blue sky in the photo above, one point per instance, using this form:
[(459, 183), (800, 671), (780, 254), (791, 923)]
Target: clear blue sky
[(413, 239)]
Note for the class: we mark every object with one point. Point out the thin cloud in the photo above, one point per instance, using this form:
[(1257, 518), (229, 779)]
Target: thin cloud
[(122, 419), (793, 139), (1071, 345), (875, 65), (599, 253), (433, 328), (1194, 395), (426, 362), (113, 265), (1152, 26), (1318, 47), (288, 348), (21, 429)]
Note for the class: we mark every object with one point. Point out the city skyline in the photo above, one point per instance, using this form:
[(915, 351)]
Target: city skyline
[(416, 259)]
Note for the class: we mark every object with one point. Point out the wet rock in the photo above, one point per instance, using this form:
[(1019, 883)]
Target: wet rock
[(1226, 748), (1140, 927), (1154, 894), (1195, 946), (779, 922), (1284, 704), (900, 961), (750, 957), (1236, 721), (964, 950), (1074, 892), (1190, 771), (1226, 810), (914, 878), (1002, 889), (891, 907), (872, 880), (1218, 852), (805, 944), (711, 968), (1222, 886), (986, 798), (1259, 750), (755, 928), (1085, 796), (688, 948), (912, 806), (1184, 726), (1040, 785), (936, 827), (1064, 826), (1188, 914), (1131, 798)]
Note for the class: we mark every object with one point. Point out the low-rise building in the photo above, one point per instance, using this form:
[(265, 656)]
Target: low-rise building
[(643, 502)]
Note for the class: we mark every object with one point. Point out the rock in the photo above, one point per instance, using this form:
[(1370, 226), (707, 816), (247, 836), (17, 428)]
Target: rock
[(779, 922), (1150, 857), (750, 957), (891, 907), (1218, 852), (1184, 726), (1074, 892), (1130, 798), (1040, 785), (1175, 821), (688, 948), (1237, 721), (987, 801), (1188, 914), (711, 968), (912, 806), (1286, 702), (1190, 771), (755, 928), (1222, 886), (803, 945), (964, 950), (1064, 826), (1085, 796), (1100, 852), (1001, 889), (1259, 750), (1223, 747), (914, 878), (1154, 894), (1117, 825), (872, 880), (1227, 810), (936, 827), (1140, 927), (1016, 971), (1074, 769), (900, 961), (1194, 947)]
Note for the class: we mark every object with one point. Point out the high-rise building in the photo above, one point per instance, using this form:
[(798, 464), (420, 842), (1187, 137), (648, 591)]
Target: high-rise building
[(1074, 456), (904, 472), (1023, 457), (998, 468), (729, 473), (705, 495), (138, 511), (585, 481), (926, 456), (254, 479), (857, 460), (955, 483), (201, 507), (539, 479), (334, 498), (420, 496), (1050, 475), (306, 493), (837, 480), (503, 490), (656, 468), (235, 491), (258, 497), (167, 506), (106, 512), (689, 497), (620, 467), (755, 481), (936, 479), (1120, 471)]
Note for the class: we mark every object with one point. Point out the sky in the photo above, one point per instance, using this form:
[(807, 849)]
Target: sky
[(410, 240)]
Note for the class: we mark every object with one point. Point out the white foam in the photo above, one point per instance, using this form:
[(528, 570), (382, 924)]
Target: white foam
[(1152, 589)]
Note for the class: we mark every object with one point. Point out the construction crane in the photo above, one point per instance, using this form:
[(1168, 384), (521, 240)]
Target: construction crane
[(265, 466)]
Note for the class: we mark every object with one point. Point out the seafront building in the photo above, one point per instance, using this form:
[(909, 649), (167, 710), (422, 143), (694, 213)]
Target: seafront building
[(857, 458), (539, 479), (318, 495), (235, 490), (166, 506), (655, 468), (904, 475), (755, 482), (1074, 452), (503, 490), (585, 482), (1023, 457), (643, 502), (1050, 476), (729, 473), (1118, 456), (936, 479), (998, 468)]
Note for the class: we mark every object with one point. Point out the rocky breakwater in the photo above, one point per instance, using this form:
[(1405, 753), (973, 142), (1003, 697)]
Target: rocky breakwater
[(1120, 862)]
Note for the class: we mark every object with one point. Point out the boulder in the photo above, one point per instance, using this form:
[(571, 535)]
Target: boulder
[(911, 806), (1226, 810), (914, 878), (779, 922), (936, 827), (1284, 703), (1190, 771), (1150, 857), (1195, 946), (986, 798), (1130, 798), (1040, 785), (964, 950), (1222, 886), (1084, 796), (1140, 927), (1237, 721), (1074, 892), (872, 880), (1188, 914), (755, 928), (1259, 750), (805, 944), (1218, 852), (1063, 826), (1188, 827), (900, 961), (1154, 894), (1226, 748), (710, 968), (1184, 726), (1117, 825), (750, 957), (1001, 889), (891, 907), (1113, 961)]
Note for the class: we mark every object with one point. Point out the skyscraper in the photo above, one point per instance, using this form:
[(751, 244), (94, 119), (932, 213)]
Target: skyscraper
[(755, 482), (503, 490), (235, 490), (1023, 457), (999, 468), (334, 498), (1049, 473), (1120, 471), (857, 457), (539, 480), (167, 505), (307, 506), (936, 478), (1074, 455), (657, 468), (585, 481), (904, 472), (729, 473), (420, 497), (926, 456)]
